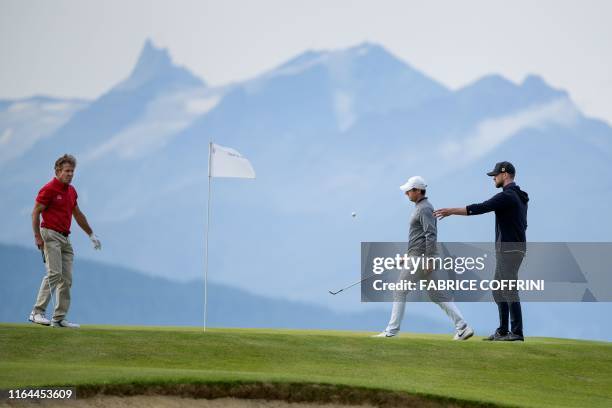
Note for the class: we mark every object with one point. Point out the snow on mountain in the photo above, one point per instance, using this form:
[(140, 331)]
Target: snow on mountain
[(23, 122), (357, 80), (489, 133), (163, 118)]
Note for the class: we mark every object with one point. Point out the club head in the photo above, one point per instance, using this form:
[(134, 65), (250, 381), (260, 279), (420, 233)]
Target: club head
[(335, 293)]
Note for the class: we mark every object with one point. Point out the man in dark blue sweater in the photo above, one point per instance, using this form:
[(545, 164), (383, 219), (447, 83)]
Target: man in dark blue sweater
[(510, 208)]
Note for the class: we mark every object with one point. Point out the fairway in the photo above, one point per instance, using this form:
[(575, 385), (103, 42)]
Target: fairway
[(540, 372)]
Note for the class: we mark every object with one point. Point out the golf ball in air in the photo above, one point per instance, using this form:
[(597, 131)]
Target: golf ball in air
[(353, 214)]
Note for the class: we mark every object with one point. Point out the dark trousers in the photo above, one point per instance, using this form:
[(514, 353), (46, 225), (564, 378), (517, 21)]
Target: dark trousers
[(508, 301)]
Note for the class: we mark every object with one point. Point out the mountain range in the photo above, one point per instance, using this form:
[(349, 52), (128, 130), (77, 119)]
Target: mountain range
[(328, 133)]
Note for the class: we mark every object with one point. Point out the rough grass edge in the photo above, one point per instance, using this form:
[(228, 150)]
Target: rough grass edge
[(289, 392)]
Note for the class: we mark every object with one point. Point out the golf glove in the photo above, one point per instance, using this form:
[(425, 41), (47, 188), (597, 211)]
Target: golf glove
[(95, 241)]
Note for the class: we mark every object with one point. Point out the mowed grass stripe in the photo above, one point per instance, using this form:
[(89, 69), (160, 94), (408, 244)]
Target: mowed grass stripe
[(540, 372)]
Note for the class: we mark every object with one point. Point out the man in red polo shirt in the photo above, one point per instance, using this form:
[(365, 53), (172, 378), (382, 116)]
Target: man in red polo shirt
[(57, 203)]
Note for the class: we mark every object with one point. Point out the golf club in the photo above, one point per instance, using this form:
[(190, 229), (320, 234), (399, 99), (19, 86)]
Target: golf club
[(351, 285), (353, 214)]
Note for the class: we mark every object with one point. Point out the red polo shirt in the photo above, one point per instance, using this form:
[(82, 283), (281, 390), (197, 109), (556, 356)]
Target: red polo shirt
[(60, 199)]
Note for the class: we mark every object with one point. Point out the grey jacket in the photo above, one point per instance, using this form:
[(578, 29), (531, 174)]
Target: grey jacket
[(423, 230)]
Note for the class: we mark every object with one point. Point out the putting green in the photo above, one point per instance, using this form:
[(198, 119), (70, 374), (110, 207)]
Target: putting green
[(542, 372)]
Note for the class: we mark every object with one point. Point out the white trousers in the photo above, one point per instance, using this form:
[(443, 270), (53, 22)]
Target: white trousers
[(439, 298), (399, 307)]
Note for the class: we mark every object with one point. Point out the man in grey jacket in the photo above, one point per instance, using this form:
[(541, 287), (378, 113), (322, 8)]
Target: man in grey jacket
[(422, 240)]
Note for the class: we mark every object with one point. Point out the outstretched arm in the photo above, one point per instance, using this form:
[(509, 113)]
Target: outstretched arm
[(497, 202)]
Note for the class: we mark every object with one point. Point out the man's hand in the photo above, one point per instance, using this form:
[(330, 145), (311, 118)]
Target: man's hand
[(442, 212), (97, 245), (82, 221), (445, 212), (39, 241)]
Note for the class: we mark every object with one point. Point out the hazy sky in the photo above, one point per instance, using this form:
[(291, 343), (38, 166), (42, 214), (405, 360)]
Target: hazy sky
[(81, 48)]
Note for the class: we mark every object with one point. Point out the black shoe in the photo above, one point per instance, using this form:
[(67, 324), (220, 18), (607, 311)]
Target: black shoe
[(513, 337), (497, 336)]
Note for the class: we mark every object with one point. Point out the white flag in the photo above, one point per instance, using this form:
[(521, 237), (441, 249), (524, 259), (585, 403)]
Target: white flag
[(227, 162)]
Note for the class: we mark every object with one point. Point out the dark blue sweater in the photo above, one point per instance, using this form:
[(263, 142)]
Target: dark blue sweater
[(510, 208)]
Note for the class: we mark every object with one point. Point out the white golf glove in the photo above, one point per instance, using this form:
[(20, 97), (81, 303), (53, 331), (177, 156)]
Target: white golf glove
[(95, 241)]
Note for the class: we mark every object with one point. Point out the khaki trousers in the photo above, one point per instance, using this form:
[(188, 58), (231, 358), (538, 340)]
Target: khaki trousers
[(58, 257)]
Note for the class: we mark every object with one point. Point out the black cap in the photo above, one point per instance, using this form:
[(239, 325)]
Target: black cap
[(502, 167)]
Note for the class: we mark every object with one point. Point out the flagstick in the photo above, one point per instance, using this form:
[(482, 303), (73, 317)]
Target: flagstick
[(207, 233)]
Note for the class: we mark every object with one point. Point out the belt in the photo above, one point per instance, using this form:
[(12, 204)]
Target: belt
[(60, 232)]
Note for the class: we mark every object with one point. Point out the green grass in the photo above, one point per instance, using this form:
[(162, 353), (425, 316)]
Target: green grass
[(540, 372)]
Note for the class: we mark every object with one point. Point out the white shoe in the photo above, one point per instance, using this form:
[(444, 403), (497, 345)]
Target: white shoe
[(464, 333), (65, 323), (39, 318), (384, 334)]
